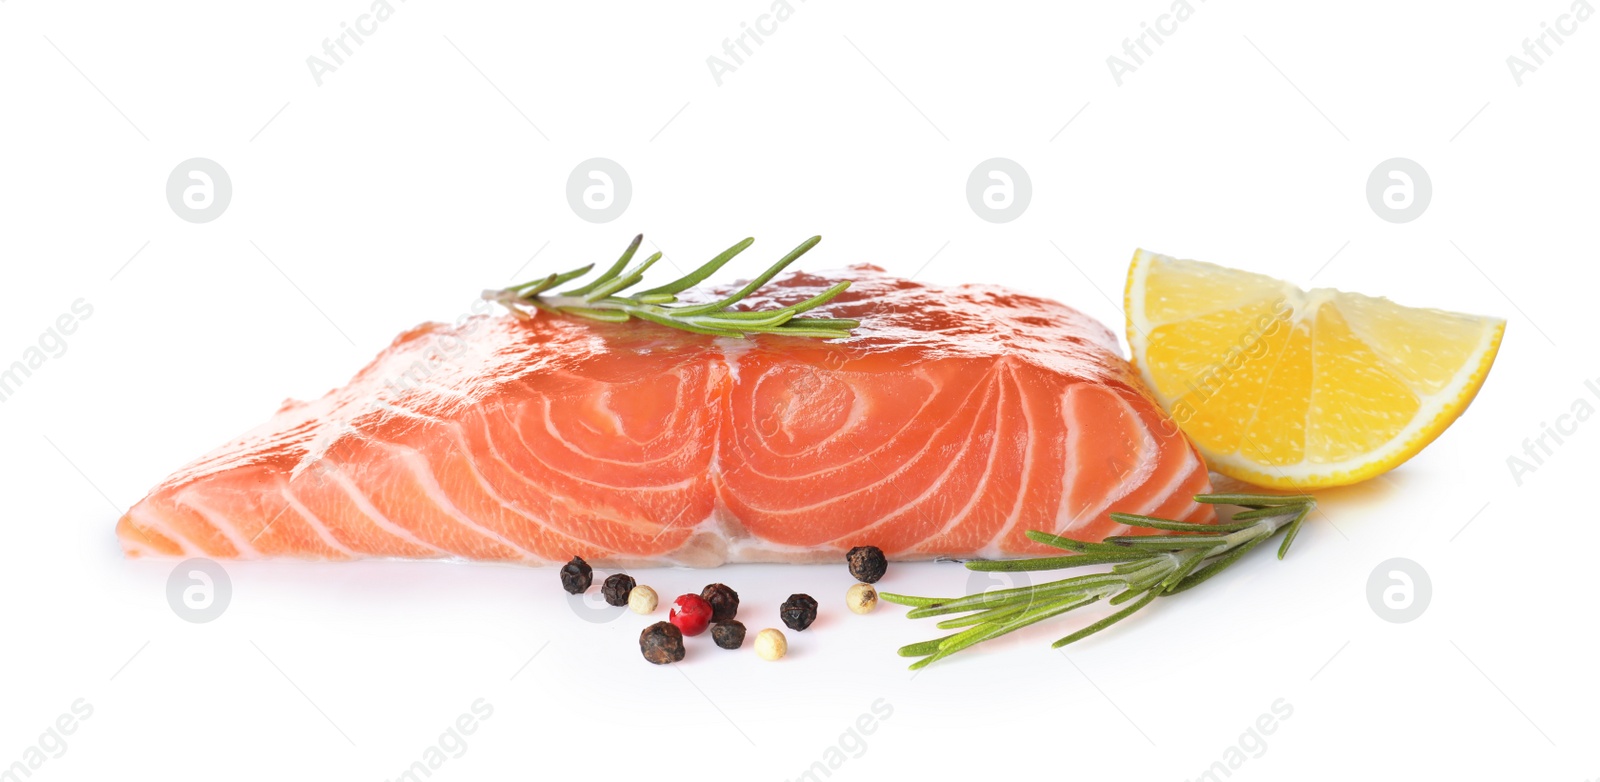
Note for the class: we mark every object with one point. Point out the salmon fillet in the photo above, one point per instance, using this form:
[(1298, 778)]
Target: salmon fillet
[(951, 422)]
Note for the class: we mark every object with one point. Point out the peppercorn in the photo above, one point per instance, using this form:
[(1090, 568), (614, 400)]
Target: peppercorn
[(691, 613), (616, 588), (724, 601), (771, 645), (729, 634), (798, 612), (861, 598), (576, 576), (642, 600), (661, 643), (867, 563)]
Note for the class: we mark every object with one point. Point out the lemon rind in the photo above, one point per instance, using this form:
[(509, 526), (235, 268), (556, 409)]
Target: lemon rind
[(1437, 413)]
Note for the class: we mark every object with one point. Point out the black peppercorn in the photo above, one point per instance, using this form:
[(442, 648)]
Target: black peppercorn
[(661, 643), (576, 576), (616, 588), (729, 634), (724, 601), (867, 563), (798, 612)]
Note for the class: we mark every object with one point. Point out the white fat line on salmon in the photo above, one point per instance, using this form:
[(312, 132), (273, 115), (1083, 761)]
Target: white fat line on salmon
[(550, 428), (851, 744), (535, 454), (754, 549), (604, 407), (776, 421), (470, 458), (548, 521), (138, 548), (451, 744), (446, 348), (140, 516), (731, 351), (1173, 488), (317, 525), (417, 463), (219, 522), (1252, 743), (869, 459), (364, 504), (1149, 454), (52, 743), (51, 344), (939, 482), (988, 467), (993, 550), (367, 545)]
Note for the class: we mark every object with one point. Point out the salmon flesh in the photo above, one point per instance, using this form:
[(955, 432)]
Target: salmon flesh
[(953, 420)]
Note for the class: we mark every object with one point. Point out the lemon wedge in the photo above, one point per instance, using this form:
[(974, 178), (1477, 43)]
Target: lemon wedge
[(1297, 389)]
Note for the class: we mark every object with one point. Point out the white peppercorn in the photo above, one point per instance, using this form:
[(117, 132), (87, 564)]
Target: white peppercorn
[(642, 599), (771, 645), (861, 598)]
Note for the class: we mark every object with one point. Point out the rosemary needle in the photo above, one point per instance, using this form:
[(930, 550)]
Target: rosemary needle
[(1143, 568), (602, 298)]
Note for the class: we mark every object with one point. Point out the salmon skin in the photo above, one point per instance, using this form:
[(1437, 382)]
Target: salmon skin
[(953, 420)]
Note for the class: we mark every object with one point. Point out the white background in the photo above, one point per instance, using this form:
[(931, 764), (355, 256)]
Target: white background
[(433, 164)]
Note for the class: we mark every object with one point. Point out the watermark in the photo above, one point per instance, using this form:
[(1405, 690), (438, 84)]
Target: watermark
[(1251, 745), (1138, 48), (998, 190), (851, 744), (591, 606), (1252, 345), (52, 743), (1399, 590), (198, 190), (831, 399), (1398, 190), (451, 744), (337, 48), (51, 344), (1538, 47), (444, 347), (985, 581), (737, 48), (598, 190), (1543, 446), (199, 590)]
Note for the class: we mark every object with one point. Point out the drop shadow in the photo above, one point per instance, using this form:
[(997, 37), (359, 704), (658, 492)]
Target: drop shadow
[(1347, 506)]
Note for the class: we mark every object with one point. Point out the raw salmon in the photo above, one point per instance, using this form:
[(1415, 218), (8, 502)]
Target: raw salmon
[(951, 422)]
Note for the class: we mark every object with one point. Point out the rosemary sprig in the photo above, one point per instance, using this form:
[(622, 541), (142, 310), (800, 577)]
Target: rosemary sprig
[(602, 298), (1143, 568)]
